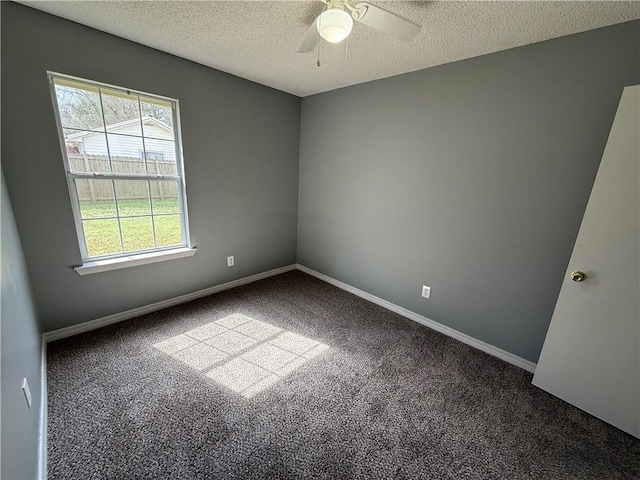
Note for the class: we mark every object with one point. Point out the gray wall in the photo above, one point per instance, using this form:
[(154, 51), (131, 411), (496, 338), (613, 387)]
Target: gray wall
[(241, 147), (20, 356), (471, 177)]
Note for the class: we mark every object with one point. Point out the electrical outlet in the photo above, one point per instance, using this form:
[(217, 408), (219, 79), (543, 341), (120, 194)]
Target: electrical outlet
[(230, 261), (426, 291), (26, 391)]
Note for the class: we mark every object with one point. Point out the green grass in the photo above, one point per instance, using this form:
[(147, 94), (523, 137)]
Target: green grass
[(102, 232)]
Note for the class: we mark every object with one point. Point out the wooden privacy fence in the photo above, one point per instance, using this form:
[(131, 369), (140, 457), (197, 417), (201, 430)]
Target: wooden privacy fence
[(101, 190)]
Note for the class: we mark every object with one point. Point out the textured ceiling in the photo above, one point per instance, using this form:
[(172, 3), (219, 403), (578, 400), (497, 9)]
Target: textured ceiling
[(258, 40)]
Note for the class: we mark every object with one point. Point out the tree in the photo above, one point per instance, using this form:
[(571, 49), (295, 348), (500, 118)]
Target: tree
[(83, 108)]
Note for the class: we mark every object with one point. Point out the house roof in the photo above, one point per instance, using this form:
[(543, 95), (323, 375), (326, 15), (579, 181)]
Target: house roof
[(146, 120)]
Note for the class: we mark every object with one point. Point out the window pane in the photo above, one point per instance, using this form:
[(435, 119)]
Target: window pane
[(164, 196), (161, 156), (96, 198), (126, 154), (158, 118), (87, 151), (168, 230), (102, 237), (79, 105), (121, 112), (133, 197), (137, 233)]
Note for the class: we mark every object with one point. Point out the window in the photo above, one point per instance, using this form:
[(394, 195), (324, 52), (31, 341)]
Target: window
[(123, 161)]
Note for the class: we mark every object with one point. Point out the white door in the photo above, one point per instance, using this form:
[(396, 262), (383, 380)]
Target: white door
[(591, 355)]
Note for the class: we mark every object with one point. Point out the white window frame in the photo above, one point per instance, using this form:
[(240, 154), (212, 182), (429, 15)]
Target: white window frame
[(124, 259)]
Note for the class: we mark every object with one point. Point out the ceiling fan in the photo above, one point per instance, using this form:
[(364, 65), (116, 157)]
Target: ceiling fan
[(335, 22)]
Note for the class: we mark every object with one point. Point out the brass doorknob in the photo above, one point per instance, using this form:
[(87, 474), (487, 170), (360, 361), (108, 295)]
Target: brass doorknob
[(578, 276)]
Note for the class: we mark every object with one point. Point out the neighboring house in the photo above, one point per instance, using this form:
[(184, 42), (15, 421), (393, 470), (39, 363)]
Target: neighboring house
[(125, 140)]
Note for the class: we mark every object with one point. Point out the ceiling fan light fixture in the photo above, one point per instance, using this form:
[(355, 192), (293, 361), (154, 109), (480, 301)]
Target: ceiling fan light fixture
[(334, 25)]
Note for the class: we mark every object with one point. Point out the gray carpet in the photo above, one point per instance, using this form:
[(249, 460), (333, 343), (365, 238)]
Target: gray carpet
[(387, 399)]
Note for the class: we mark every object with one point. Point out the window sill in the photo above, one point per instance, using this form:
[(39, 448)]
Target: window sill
[(133, 260)]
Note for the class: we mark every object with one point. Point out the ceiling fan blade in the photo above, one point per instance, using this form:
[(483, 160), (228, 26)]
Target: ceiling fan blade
[(311, 38), (386, 22)]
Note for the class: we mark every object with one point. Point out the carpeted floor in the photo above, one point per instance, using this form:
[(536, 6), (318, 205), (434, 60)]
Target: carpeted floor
[(291, 377)]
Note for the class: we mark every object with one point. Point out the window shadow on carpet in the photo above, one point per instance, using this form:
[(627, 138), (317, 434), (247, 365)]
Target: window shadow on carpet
[(242, 354)]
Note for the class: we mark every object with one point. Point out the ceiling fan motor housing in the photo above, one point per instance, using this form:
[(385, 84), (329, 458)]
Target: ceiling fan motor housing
[(335, 22)]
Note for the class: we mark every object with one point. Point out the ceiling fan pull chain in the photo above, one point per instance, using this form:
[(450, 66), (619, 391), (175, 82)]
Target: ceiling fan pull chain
[(346, 50), (318, 62)]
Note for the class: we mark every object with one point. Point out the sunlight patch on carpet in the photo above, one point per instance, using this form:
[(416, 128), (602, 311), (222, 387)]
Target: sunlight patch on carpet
[(242, 354)]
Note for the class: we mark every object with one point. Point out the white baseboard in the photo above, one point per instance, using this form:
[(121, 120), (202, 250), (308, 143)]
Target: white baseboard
[(119, 317), (136, 312), (42, 434), (464, 338)]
